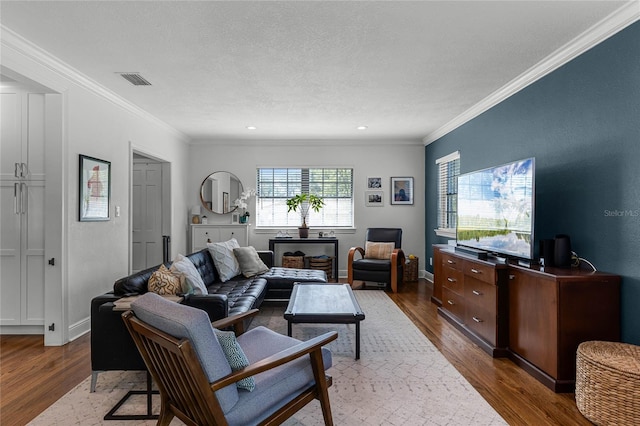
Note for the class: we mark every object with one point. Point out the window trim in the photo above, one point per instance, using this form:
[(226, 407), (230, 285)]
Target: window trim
[(441, 231)]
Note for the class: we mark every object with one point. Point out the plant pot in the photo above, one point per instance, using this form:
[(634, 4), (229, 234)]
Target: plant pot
[(303, 232)]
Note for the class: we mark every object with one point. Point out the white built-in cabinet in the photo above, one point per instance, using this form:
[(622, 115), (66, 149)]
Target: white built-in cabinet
[(203, 234), (22, 195)]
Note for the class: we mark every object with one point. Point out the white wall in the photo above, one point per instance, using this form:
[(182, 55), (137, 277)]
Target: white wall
[(383, 159), (98, 124)]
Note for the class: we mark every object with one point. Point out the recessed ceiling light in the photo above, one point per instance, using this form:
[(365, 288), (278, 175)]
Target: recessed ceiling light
[(361, 127), (252, 128)]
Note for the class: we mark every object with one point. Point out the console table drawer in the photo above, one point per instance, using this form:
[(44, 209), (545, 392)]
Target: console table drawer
[(480, 271), (451, 261), (453, 280), (481, 322), (480, 293), (453, 303)]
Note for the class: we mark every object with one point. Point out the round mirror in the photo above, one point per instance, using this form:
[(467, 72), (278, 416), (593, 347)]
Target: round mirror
[(218, 192)]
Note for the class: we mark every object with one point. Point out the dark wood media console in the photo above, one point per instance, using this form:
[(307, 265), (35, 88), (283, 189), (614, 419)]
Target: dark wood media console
[(539, 317)]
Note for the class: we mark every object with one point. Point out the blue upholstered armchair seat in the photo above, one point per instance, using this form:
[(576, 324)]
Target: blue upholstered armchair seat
[(274, 387)]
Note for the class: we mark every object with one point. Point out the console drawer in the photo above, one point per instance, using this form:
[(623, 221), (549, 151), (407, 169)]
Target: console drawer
[(480, 271), (453, 280), (452, 261), (480, 293), (481, 322), (453, 303)]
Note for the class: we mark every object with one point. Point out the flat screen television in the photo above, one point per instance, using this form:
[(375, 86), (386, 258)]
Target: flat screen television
[(495, 209)]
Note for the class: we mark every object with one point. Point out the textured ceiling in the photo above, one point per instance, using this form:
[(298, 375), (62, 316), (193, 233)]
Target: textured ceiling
[(304, 69)]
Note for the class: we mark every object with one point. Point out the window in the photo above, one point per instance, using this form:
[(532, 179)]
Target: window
[(276, 185), (448, 171)]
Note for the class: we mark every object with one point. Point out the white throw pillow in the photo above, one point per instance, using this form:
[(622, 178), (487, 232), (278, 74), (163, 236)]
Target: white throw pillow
[(224, 259), (187, 268)]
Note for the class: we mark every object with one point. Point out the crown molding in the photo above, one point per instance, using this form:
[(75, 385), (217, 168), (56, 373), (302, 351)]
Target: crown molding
[(612, 24), (11, 40), (306, 142)]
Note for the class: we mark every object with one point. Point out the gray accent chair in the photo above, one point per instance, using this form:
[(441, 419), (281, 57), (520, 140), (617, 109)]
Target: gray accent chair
[(196, 382)]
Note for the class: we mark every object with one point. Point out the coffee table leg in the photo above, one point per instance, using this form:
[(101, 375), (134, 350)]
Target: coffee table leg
[(357, 339), (289, 328)]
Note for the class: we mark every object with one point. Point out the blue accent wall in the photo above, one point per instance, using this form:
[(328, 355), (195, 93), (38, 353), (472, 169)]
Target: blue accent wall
[(582, 125)]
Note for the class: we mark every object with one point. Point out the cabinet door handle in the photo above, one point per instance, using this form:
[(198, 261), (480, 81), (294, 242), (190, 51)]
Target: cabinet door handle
[(477, 293), (15, 197), (24, 198), (24, 170), (475, 271), (15, 171), (451, 280), (512, 277), (450, 302), (477, 319), (450, 262)]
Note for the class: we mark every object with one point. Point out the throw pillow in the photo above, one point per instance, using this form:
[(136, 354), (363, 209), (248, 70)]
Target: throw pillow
[(163, 282), (373, 250), (224, 259), (249, 261), (236, 357), (187, 268)]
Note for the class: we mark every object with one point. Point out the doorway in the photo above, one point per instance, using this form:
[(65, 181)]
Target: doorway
[(150, 212)]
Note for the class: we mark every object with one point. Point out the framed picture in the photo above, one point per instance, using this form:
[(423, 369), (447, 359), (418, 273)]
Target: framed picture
[(94, 197), (235, 218), (374, 183), (374, 198), (401, 190)]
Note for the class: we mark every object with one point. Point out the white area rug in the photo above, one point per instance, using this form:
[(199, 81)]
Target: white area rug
[(400, 379)]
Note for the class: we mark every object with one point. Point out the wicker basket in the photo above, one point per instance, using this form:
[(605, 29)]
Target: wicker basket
[(410, 272), (322, 263), (608, 382), (293, 262)]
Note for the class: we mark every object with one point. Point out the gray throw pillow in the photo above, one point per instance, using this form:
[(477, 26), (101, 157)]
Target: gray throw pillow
[(250, 262)]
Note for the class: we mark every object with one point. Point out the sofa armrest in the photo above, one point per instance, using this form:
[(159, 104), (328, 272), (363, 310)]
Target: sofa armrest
[(215, 305), (267, 257)]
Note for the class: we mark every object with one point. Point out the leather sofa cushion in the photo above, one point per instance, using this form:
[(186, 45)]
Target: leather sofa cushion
[(285, 277)]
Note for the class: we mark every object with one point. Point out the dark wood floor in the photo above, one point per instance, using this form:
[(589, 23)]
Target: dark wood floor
[(32, 376)]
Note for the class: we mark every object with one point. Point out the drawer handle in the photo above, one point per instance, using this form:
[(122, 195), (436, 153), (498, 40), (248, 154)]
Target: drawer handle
[(450, 262), (477, 319), (512, 277), (477, 293), (451, 280), (475, 271), (450, 302)]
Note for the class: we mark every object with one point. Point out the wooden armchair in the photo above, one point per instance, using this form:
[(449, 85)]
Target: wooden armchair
[(197, 384), (386, 266)]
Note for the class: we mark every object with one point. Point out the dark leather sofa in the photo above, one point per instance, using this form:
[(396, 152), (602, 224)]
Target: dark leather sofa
[(111, 345)]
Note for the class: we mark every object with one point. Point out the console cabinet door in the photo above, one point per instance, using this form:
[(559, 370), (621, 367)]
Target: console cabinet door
[(533, 319)]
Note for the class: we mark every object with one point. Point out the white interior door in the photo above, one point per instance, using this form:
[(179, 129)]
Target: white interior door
[(146, 215)]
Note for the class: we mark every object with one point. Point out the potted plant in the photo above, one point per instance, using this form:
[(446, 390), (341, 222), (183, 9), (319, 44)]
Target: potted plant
[(304, 202), (241, 203)]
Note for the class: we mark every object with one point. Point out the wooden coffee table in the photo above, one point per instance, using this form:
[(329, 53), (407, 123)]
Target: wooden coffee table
[(323, 303)]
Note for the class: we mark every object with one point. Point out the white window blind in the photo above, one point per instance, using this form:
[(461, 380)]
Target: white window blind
[(276, 185), (448, 171)]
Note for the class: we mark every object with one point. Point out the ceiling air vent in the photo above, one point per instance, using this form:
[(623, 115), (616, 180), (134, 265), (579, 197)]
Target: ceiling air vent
[(135, 78)]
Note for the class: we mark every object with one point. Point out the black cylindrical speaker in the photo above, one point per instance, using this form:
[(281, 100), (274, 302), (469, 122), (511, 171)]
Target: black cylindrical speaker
[(562, 251), (547, 250)]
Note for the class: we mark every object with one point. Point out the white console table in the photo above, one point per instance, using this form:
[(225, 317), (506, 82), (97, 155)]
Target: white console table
[(203, 234)]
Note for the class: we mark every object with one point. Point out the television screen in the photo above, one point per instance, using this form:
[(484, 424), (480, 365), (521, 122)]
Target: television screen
[(495, 209)]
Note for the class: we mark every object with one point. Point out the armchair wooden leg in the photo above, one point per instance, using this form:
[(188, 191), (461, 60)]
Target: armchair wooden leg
[(322, 388)]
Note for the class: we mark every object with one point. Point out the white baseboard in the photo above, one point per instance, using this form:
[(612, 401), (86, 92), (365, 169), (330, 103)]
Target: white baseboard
[(79, 329)]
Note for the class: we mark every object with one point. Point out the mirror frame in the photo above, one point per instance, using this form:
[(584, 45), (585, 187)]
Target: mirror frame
[(207, 204)]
